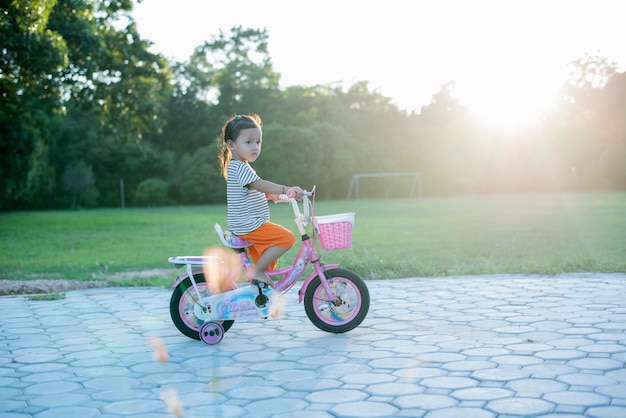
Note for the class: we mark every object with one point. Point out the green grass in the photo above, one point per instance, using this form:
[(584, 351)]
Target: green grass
[(538, 233)]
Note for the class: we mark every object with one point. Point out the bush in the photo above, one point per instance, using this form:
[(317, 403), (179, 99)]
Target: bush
[(151, 192)]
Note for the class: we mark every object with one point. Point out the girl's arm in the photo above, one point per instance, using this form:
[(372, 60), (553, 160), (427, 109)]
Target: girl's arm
[(270, 188)]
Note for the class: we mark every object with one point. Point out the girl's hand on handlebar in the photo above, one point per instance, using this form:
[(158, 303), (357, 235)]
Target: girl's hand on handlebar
[(295, 192)]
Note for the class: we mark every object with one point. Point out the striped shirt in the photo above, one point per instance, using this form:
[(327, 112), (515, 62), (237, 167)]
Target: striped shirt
[(247, 208)]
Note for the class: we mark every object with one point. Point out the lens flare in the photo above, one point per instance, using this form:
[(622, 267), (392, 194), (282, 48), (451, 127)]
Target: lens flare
[(224, 270), (278, 307), (172, 402), (160, 351)]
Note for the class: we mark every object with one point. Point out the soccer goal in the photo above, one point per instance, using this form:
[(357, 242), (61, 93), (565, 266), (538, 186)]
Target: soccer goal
[(409, 182)]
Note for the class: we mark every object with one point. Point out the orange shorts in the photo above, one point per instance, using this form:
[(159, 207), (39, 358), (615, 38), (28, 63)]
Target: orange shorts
[(266, 236)]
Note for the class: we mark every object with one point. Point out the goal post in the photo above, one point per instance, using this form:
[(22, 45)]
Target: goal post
[(416, 183)]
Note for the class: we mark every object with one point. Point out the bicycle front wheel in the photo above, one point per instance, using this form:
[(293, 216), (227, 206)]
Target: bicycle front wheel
[(353, 301), (182, 302)]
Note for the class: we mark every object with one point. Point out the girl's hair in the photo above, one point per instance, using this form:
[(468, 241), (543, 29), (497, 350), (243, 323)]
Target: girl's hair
[(230, 132)]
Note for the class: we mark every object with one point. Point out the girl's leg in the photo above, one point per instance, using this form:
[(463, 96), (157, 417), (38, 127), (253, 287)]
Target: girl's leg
[(269, 242), (269, 257)]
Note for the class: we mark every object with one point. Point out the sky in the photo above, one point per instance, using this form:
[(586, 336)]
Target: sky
[(408, 49)]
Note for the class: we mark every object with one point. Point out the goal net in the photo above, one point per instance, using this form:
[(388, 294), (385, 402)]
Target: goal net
[(385, 185)]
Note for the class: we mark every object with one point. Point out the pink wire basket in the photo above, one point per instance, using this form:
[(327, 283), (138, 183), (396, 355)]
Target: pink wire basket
[(335, 231)]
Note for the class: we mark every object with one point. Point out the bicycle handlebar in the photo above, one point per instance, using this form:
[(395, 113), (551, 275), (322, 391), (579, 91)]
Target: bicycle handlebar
[(283, 198)]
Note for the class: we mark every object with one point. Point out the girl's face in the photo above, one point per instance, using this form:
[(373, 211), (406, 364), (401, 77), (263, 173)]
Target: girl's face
[(247, 146)]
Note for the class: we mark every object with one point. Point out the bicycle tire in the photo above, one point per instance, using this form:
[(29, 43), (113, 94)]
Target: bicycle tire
[(182, 302), (354, 301)]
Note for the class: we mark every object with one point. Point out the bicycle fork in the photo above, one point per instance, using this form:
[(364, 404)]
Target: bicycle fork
[(318, 271)]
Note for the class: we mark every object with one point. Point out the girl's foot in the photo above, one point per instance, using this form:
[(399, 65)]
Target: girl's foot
[(263, 278)]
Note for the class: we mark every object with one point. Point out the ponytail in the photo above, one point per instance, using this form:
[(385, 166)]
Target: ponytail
[(224, 157)]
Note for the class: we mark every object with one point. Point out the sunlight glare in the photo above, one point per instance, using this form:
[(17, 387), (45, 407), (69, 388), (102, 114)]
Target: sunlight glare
[(225, 272), (508, 100)]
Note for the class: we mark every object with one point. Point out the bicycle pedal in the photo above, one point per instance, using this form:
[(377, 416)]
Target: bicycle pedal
[(258, 283)]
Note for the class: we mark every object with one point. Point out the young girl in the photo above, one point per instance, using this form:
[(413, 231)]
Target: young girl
[(248, 213)]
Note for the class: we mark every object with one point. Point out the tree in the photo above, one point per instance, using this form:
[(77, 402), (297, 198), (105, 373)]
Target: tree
[(231, 73), (320, 154), (110, 70), (198, 180), (588, 126), (78, 180), (613, 131), (29, 54), (56, 52), (242, 70)]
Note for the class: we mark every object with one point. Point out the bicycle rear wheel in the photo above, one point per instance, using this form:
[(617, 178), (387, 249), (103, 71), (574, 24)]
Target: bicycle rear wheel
[(351, 308), (182, 302)]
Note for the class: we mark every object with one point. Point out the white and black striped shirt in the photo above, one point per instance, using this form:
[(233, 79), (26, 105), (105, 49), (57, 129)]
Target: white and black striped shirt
[(247, 208)]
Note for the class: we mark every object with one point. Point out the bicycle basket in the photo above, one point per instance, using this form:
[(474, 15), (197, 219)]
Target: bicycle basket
[(335, 231)]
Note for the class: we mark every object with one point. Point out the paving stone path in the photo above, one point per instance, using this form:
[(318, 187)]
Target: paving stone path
[(469, 347)]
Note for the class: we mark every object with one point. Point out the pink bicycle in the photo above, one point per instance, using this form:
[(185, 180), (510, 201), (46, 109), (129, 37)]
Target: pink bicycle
[(335, 300)]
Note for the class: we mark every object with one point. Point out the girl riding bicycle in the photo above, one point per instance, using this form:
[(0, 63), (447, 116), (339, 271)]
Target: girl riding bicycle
[(248, 214)]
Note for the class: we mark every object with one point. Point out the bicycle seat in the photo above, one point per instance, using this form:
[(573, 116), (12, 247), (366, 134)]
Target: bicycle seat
[(231, 240)]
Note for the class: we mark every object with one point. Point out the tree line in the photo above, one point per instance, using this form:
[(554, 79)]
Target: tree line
[(91, 118)]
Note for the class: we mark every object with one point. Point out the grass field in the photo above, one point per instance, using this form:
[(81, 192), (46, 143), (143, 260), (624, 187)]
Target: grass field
[(538, 233)]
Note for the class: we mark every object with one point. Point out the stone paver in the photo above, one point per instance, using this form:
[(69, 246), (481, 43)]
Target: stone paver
[(480, 346)]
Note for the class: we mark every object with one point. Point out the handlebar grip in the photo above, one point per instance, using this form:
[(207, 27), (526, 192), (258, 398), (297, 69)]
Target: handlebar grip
[(283, 197)]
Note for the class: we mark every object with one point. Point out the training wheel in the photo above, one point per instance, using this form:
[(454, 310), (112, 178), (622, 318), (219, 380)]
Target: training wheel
[(212, 333)]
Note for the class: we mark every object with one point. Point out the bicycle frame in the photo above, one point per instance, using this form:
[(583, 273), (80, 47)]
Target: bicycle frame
[(307, 254)]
